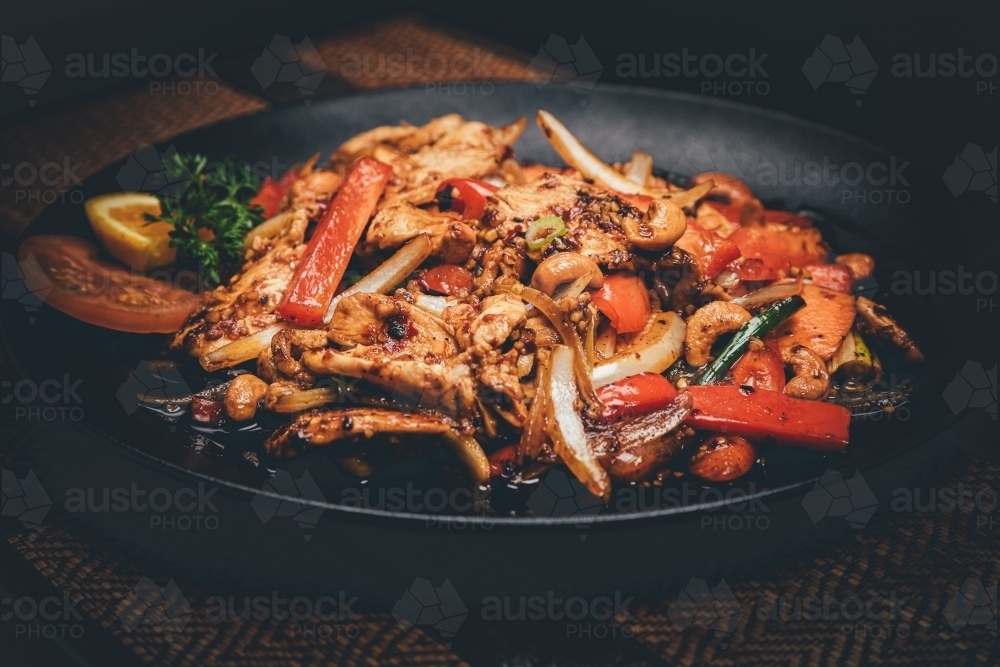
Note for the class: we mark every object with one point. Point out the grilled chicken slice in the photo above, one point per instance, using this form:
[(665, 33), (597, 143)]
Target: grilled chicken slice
[(592, 216), (322, 427), (397, 223)]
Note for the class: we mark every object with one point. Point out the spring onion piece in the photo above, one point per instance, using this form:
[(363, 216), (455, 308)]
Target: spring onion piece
[(855, 364), (307, 399), (757, 327), (243, 349), (544, 231)]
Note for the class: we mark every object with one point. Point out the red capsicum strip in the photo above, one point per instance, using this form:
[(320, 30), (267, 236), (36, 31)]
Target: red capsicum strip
[(636, 395), (329, 250), (760, 415), (465, 196)]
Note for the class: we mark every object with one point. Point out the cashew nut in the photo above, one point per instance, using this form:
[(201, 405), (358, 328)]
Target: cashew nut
[(564, 267), (858, 264), (243, 395), (662, 225), (737, 192), (706, 325), (811, 381)]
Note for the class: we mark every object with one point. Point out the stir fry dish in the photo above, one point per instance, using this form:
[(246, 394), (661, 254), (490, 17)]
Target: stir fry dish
[(423, 285)]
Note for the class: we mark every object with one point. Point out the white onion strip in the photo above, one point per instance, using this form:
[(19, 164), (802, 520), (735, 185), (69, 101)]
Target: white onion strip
[(241, 350), (654, 351)]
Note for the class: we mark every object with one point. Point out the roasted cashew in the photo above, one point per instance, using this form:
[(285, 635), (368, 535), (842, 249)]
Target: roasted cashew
[(737, 192), (565, 267), (706, 325), (242, 396), (811, 380), (663, 224), (858, 264)]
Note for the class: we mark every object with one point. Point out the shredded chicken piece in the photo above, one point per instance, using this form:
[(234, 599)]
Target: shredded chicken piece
[(322, 427)]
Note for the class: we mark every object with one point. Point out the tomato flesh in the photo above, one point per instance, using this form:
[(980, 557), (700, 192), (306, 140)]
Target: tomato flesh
[(328, 252), (636, 395), (760, 369), (832, 276), (465, 196), (272, 192), (448, 279), (712, 252), (624, 301), (70, 275), (501, 458)]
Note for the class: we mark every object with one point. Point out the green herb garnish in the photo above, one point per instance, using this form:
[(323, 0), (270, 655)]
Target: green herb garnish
[(211, 215)]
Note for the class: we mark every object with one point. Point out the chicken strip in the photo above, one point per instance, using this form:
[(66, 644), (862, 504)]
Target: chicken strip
[(322, 427)]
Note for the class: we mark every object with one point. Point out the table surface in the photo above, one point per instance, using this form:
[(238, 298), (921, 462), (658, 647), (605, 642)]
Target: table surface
[(924, 558)]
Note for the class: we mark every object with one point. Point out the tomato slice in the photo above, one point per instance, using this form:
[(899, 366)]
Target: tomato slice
[(636, 395), (70, 275), (465, 196), (448, 279), (757, 414), (501, 458), (832, 276), (760, 369), (328, 252), (623, 299)]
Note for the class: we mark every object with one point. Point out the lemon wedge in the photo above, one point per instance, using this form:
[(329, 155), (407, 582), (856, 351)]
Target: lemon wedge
[(118, 221)]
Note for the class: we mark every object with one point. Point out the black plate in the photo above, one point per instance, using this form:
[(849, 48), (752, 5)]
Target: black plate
[(685, 134)]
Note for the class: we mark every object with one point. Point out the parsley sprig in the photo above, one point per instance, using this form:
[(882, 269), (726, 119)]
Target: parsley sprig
[(211, 215)]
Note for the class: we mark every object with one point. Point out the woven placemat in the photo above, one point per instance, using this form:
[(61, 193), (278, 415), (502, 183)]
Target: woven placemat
[(925, 558)]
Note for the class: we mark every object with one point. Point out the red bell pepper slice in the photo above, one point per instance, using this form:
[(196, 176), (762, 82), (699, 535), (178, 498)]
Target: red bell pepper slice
[(465, 196), (448, 279), (272, 192), (712, 252), (759, 414), (760, 369), (501, 458), (636, 395), (624, 300), (315, 280), (835, 277)]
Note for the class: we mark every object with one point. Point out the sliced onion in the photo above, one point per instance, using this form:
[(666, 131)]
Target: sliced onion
[(435, 305), (241, 350), (307, 399), (569, 438), (544, 303), (768, 294), (610, 438), (389, 274), (654, 350), (471, 453), (687, 198), (533, 435), (640, 168), (269, 227)]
